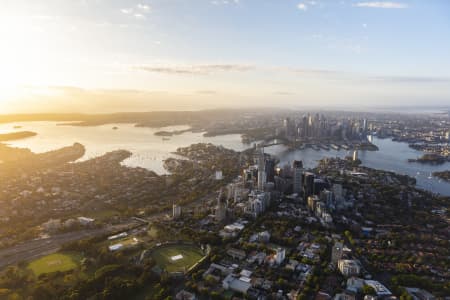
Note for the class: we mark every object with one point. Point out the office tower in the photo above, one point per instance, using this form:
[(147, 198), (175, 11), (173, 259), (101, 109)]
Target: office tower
[(270, 169), (308, 184), (297, 167), (319, 185), (262, 176), (221, 208)]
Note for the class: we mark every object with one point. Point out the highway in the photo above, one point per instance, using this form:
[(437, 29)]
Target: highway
[(33, 249)]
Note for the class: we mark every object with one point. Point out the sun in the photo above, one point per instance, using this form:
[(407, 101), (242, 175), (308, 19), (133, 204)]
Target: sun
[(24, 55)]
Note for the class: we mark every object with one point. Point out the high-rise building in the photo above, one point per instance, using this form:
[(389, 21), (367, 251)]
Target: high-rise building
[(270, 169), (262, 176), (327, 197), (221, 208), (355, 155), (297, 167), (308, 184)]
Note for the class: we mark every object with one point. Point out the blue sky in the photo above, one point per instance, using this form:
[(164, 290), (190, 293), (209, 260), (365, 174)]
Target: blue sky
[(174, 54)]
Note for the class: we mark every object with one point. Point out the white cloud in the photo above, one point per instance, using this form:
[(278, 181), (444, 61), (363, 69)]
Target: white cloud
[(306, 4), (302, 6), (143, 7), (139, 11), (126, 11), (202, 69), (381, 4), (139, 16), (224, 2)]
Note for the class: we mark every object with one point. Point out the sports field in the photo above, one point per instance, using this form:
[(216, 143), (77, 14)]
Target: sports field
[(177, 258), (53, 263)]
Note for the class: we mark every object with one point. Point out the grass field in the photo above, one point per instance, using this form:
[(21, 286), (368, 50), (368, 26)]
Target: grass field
[(53, 263), (191, 255)]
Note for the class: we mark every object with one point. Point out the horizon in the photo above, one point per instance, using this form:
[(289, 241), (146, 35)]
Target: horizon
[(114, 56)]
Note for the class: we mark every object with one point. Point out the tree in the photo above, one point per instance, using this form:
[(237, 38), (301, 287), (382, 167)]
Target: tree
[(368, 290)]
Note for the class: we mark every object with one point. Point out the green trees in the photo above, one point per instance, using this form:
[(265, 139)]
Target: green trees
[(368, 290)]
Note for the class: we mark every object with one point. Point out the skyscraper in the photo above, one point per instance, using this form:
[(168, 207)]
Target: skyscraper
[(297, 167), (262, 176), (308, 184)]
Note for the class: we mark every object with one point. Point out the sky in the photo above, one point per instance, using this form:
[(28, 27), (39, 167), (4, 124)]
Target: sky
[(127, 55)]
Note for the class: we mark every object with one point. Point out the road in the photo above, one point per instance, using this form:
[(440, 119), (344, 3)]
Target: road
[(33, 249), (36, 248)]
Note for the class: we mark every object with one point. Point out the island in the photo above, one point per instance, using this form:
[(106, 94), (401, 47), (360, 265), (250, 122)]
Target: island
[(16, 135)]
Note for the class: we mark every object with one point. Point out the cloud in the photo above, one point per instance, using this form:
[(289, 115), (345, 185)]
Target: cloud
[(139, 11), (224, 2), (302, 6), (381, 4), (282, 93), (143, 7), (126, 11), (207, 92), (409, 79), (196, 69), (305, 4), (139, 16)]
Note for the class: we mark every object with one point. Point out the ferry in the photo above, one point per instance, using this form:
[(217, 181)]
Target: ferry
[(335, 147), (345, 147), (324, 147)]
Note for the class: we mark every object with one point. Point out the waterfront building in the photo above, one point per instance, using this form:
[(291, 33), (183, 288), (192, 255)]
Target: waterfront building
[(355, 155)]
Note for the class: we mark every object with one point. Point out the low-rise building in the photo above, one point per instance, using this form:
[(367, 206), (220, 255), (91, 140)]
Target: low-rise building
[(349, 267)]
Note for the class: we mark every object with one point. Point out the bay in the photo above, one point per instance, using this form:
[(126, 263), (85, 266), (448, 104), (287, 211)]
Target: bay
[(150, 150)]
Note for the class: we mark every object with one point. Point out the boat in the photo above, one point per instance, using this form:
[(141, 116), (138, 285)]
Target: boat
[(301, 147), (315, 147), (335, 147), (345, 147), (324, 147)]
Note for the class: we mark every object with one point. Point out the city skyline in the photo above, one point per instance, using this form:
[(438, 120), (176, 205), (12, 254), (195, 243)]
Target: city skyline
[(105, 56)]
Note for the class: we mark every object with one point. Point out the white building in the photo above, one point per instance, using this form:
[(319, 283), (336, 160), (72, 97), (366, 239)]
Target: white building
[(237, 284), (380, 289), (349, 267), (355, 155), (219, 175), (280, 256), (85, 221), (176, 211)]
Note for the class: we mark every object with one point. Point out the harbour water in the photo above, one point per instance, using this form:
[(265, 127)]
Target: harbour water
[(392, 156), (150, 150)]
